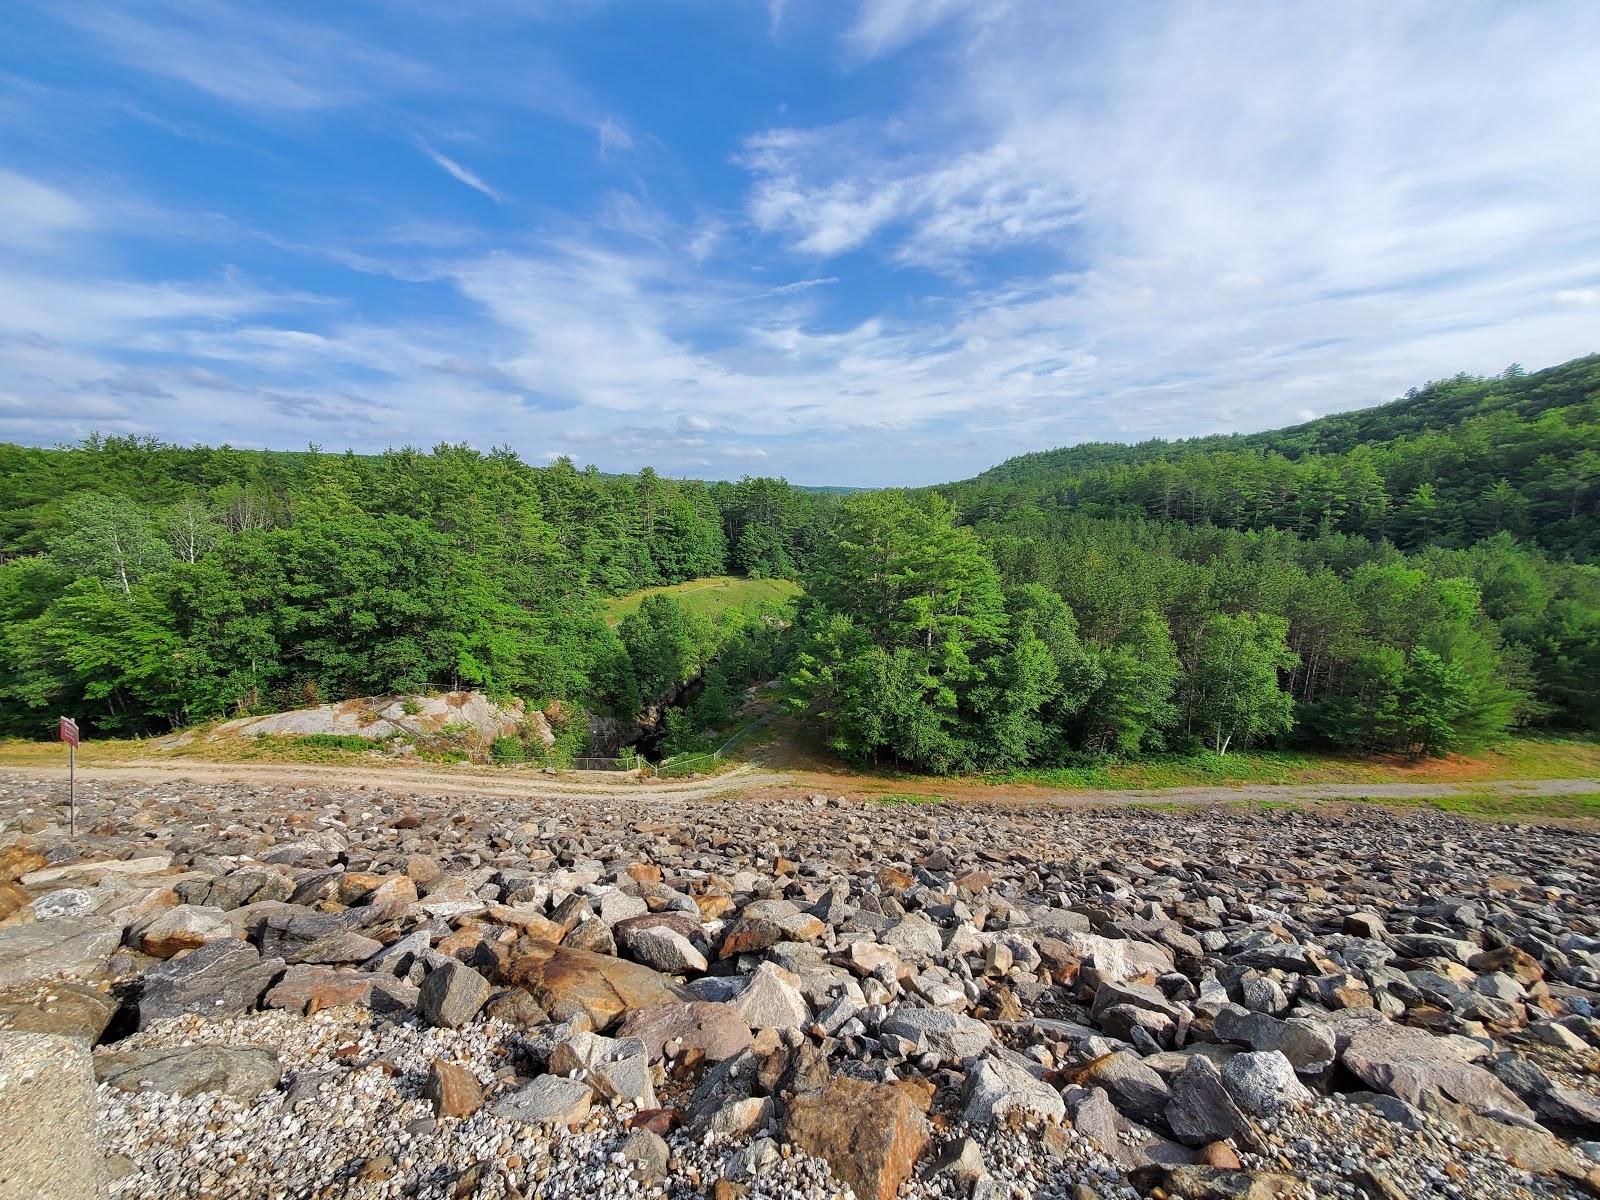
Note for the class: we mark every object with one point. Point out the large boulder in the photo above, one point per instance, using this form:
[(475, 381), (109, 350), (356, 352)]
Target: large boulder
[(1201, 1109), (47, 1110), (188, 1070), (699, 1028), (71, 1010), (614, 1067), (566, 981), (1414, 1066), (1218, 1183), (220, 979), (186, 927), (1308, 1045), (548, 1100), (871, 1134), (1133, 1087), (997, 1089), (952, 1036), (76, 946), (1263, 1082), (1127, 1143), (771, 999), (452, 995)]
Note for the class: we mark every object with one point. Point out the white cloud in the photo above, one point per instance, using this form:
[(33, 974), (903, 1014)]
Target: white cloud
[(887, 25), (461, 173), (254, 58), (614, 137), (1139, 221), (799, 285), (32, 213)]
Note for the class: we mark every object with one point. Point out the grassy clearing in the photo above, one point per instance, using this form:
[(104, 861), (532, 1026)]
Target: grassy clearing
[(1520, 758), (711, 596)]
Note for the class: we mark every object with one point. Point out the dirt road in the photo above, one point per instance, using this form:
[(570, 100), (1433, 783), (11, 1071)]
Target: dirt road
[(749, 779)]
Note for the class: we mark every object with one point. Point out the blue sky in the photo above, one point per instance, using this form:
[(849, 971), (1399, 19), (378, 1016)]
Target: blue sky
[(874, 242)]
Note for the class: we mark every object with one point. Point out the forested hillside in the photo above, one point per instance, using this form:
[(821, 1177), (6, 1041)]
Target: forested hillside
[(1452, 462), (145, 585), (1416, 578), (1412, 578)]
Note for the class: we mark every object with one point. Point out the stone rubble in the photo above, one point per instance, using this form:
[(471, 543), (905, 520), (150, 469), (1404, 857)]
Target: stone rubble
[(342, 992)]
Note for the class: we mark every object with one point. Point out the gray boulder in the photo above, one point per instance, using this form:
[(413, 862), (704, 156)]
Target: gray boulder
[(1308, 1045), (952, 1036), (75, 946), (48, 1109), (1127, 1143), (451, 995), (1414, 1066), (1263, 1082), (1133, 1087), (1201, 1109), (220, 979), (189, 1070), (548, 1100), (997, 1089)]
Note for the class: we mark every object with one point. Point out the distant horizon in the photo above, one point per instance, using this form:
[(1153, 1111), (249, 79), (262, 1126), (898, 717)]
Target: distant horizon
[(800, 483), (881, 241)]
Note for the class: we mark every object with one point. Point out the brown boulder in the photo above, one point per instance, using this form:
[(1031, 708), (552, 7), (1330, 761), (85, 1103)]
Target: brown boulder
[(309, 989), (566, 981), (17, 861), (751, 935), (714, 905), (700, 1028), (13, 896), (893, 880), (527, 920), (1509, 960), (871, 1134)]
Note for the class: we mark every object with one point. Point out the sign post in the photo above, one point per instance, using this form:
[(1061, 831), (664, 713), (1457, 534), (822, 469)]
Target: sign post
[(68, 731)]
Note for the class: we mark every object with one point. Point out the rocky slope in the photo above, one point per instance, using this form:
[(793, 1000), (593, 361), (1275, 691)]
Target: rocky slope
[(358, 994)]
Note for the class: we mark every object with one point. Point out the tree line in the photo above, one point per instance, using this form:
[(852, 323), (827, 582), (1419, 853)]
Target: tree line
[(145, 586), (1048, 638), (1415, 578)]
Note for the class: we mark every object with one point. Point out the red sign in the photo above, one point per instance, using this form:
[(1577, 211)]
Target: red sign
[(69, 731)]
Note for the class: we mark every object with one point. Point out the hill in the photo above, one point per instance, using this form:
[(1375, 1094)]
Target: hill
[(1450, 463)]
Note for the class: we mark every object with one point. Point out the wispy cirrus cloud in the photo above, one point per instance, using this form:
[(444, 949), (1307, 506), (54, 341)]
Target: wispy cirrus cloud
[(798, 286), (245, 54), (460, 173)]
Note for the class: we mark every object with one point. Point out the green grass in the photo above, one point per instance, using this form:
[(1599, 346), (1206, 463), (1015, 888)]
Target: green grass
[(712, 596), (1518, 758), (912, 799), (1206, 768), (1491, 805)]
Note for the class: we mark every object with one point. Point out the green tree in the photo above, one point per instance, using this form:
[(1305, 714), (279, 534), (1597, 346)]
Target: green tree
[(1133, 706), (1434, 696), (110, 540), (1235, 685), (666, 647)]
